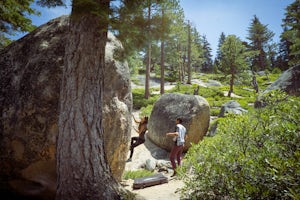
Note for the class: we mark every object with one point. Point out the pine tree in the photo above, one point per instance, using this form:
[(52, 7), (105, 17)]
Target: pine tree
[(282, 60), (207, 62), (292, 32), (233, 58), (219, 53), (259, 37)]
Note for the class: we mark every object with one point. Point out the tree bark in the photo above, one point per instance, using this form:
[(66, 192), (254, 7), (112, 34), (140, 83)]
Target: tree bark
[(189, 54), (231, 85), (148, 66), (83, 172), (162, 56)]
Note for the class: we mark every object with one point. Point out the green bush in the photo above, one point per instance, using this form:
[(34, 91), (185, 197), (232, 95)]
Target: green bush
[(253, 156), (146, 111), (276, 71), (214, 111)]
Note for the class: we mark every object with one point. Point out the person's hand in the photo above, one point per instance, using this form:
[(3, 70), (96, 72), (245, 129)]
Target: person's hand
[(169, 134)]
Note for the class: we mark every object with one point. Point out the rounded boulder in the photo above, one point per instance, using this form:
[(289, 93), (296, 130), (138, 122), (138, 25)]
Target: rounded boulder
[(194, 110)]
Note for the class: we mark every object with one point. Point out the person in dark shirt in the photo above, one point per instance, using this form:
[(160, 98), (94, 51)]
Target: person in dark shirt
[(136, 141)]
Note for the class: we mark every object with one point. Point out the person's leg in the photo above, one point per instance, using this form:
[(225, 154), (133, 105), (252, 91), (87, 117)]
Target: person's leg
[(135, 141), (179, 155), (173, 155), (132, 145)]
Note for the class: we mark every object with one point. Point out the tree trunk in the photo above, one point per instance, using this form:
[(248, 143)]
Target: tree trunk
[(189, 54), (162, 56), (83, 172), (147, 79), (162, 68), (231, 85)]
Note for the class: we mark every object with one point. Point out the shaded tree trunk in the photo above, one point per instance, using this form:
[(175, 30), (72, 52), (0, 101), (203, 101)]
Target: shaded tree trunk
[(162, 58), (254, 83), (231, 85), (189, 54), (162, 69), (148, 66), (83, 172)]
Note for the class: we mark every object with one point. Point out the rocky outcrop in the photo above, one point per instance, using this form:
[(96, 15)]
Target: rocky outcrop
[(232, 107), (193, 109), (30, 73), (288, 82)]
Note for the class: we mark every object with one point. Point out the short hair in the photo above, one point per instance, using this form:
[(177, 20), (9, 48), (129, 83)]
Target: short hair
[(179, 119)]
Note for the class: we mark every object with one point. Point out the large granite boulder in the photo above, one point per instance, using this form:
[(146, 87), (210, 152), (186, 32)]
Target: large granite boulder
[(288, 81), (194, 111), (30, 73)]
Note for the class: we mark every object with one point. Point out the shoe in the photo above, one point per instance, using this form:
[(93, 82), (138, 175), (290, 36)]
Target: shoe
[(174, 174), (128, 160)]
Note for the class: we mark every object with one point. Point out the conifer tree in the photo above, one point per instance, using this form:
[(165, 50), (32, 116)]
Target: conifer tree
[(259, 36), (219, 53), (291, 33), (233, 58), (207, 61)]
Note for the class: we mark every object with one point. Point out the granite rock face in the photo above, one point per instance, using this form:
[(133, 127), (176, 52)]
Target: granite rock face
[(30, 73), (288, 82), (193, 109)]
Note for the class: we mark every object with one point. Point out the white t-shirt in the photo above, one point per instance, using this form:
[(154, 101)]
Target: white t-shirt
[(181, 130)]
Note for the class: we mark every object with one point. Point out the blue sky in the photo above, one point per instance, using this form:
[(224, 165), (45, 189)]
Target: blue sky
[(211, 17)]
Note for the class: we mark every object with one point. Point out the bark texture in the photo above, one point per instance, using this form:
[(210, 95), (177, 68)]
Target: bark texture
[(83, 172)]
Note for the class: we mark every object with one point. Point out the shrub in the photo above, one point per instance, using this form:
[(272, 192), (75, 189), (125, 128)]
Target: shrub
[(254, 156), (146, 111)]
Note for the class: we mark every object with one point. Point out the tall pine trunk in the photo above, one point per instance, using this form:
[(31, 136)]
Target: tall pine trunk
[(148, 66), (162, 56), (83, 172), (189, 54), (231, 84)]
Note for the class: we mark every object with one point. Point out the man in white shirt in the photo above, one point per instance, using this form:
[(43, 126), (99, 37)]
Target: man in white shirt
[(179, 139)]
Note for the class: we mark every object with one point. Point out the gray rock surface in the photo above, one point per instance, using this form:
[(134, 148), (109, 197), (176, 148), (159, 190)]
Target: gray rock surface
[(232, 107), (288, 81), (193, 109)]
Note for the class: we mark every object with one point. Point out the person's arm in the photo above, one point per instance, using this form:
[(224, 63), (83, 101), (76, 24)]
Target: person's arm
[(136, 121), (136, 130), (172, 134)]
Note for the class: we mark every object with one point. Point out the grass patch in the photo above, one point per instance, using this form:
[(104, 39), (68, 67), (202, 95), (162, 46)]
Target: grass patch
[(137, 174)]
